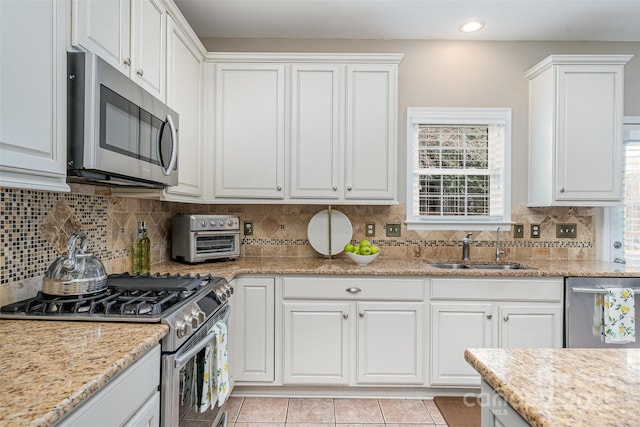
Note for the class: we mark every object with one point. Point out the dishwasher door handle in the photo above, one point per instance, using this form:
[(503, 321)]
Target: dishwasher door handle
[(595, 290)]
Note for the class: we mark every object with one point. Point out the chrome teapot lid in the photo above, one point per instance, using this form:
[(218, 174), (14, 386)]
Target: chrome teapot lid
[(76, 273)]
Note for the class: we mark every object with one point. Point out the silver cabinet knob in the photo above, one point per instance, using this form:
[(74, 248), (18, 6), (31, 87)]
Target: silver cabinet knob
[(505, 318), (345, 315), (335, 188), (279, 188), (127, 62), (353, 290), (140, 72), (361, 314), (349, 188), (489, 316), (562, 190)]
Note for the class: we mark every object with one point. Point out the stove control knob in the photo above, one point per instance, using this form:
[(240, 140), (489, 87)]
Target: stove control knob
[(203, 224), (220, 294), (184, 328), (230, 223), (213, 222), (198, 314), (221, 222)]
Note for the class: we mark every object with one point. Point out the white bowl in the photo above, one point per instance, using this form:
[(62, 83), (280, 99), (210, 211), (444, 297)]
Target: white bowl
[(361, 259)]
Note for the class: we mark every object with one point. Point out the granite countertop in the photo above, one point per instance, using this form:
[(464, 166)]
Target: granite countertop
[(391, 266), (49, 367), (564, 387)]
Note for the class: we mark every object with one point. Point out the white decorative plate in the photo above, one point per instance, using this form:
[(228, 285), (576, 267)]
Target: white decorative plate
[(318, 232)]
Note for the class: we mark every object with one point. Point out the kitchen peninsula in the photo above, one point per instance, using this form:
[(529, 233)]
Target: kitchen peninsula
[(558, 387)]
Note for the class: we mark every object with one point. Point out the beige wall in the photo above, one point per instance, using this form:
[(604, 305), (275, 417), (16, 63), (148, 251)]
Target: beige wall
[(460, 74)]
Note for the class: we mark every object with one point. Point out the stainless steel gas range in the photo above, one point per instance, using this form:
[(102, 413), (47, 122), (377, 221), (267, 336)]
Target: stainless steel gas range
[(189, 305)]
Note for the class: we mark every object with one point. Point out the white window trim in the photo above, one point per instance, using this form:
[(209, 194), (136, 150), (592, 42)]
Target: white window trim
[(456, 116)]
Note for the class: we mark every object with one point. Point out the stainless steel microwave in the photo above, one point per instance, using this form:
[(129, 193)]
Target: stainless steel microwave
[(118, 133)]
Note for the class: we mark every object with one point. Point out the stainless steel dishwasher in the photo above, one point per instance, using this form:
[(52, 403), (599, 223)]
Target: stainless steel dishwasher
[(583, 311)]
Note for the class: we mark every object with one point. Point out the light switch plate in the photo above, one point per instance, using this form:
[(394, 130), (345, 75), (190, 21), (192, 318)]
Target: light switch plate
[(393, 229), (518, 231), (567, 230)]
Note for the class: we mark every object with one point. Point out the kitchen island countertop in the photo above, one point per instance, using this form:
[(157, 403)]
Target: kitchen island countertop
[(393, 266), (564, 387), (50, 367)]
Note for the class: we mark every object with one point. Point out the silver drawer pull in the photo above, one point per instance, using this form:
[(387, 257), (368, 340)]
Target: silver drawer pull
[(354, 290), (345, 315)]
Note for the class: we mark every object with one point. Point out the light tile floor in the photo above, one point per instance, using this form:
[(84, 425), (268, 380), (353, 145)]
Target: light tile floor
[(312, 412)]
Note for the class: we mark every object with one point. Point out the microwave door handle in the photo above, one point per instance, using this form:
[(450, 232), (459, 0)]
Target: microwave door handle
[(174, 147)]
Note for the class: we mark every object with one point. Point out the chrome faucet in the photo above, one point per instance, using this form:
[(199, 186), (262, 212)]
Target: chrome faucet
[(498, 250), (465, 247)]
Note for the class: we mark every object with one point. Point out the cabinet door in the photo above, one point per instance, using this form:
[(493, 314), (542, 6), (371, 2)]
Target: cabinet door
[(371, 132), (390, 343), (148, 415), (33, 98), (249, 131), (455, 327), (184, 95), (316, 342), (148, 38), (589, 132), (316, 99), (254, 323), (530, 326), (103, 27)]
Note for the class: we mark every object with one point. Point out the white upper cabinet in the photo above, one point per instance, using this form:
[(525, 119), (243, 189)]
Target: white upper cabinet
[(249, 149), (185, 81), (575, 130), (371, 132), (128, 34), (316, 131), (328, 121), (33, 95)]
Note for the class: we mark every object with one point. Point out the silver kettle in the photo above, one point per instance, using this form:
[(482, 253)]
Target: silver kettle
[(76, 273)]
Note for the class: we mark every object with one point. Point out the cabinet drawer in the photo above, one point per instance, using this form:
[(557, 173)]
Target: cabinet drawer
[(353, 288), (534, 289)]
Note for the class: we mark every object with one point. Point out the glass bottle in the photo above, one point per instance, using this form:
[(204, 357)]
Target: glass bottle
[(142, 251)]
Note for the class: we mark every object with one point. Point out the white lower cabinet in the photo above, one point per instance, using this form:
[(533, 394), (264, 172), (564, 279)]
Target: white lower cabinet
[(491, 312), (496, 412), (131, 399), (353, 331), (253, 347)]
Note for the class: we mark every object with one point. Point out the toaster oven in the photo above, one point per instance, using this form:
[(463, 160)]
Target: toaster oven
[(199, 238)]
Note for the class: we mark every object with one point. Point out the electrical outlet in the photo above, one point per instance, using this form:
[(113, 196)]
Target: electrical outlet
[(535, 231), (567, 230), (248, 228), (370, 229), (518, 231), (393, 229)]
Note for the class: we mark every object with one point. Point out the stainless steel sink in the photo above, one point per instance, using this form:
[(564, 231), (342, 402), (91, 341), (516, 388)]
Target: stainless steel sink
[(498, 266), (454, 265), (448, 265)]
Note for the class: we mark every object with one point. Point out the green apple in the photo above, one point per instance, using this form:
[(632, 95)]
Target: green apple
[(374, 249), (365, 250), (365, 243), (349, 247)]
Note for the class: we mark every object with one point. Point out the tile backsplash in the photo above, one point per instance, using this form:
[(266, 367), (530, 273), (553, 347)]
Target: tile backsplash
[(36, 226)]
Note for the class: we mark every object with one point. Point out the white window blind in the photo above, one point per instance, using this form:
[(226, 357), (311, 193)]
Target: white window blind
[(457, 167)]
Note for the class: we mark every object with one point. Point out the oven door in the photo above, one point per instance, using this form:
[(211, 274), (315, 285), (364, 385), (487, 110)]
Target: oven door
[(178, 384), (214, 244)]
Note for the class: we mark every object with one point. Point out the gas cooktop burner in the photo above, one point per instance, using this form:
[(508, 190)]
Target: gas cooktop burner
[(127, 296)]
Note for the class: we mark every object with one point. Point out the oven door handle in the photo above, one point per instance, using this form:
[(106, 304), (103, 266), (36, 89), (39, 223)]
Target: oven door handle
[(184, 358), (595, 290)]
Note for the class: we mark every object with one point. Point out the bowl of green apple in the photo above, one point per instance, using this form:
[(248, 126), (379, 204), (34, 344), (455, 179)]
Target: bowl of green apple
[(363, 253)]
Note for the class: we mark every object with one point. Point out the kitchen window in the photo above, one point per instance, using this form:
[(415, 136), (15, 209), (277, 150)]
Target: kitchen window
[(458, 172)]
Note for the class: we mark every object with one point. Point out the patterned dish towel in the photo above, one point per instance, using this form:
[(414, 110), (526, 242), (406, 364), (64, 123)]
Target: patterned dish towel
[(220, 363), (618, 316), (213, 370)]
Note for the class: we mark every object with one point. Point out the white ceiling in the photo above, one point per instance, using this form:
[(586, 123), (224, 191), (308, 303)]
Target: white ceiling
[(570, 20)]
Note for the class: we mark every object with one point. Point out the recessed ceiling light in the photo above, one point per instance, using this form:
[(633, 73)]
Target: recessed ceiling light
[(471, 26)]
